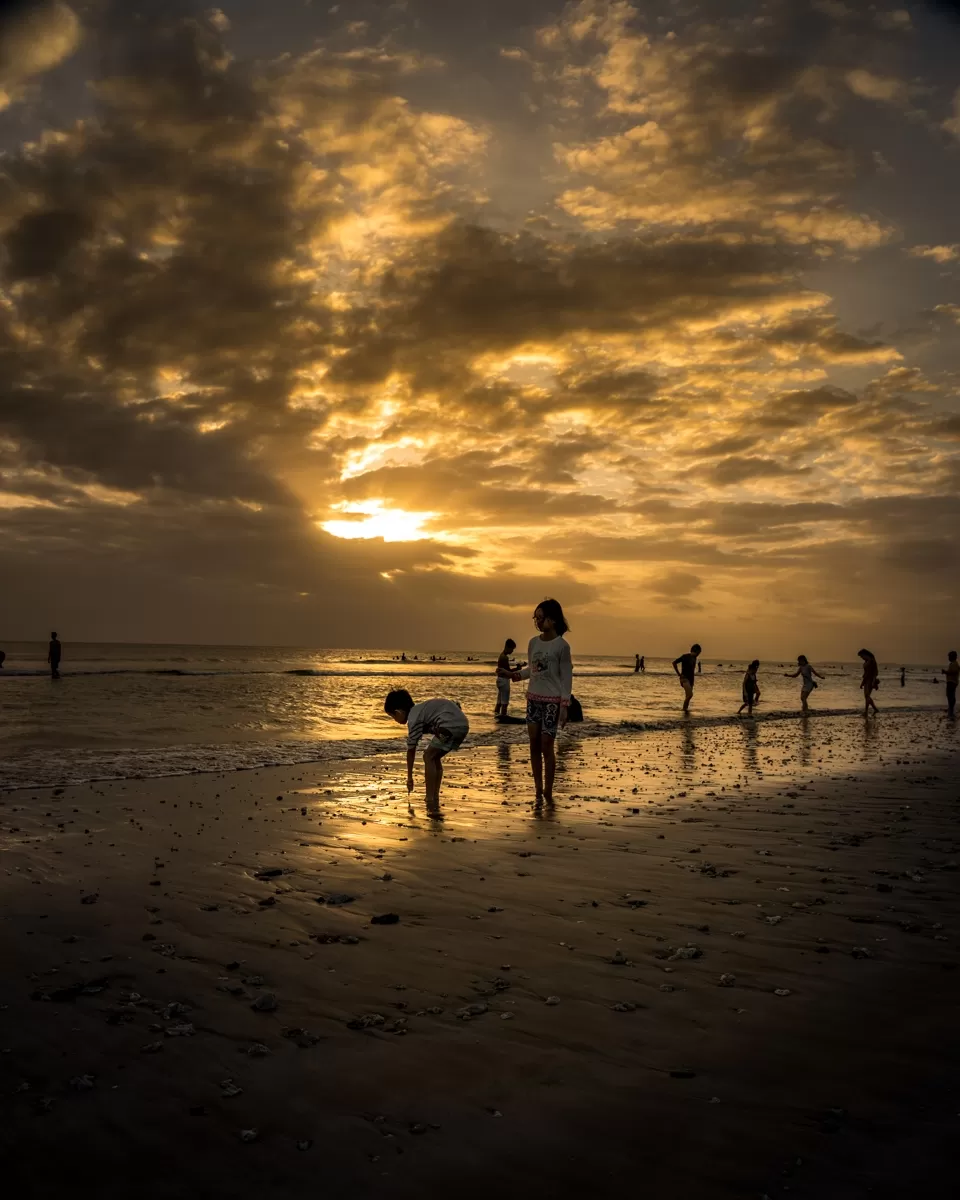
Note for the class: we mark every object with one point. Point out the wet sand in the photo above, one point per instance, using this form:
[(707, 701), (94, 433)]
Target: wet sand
[(723, 964)]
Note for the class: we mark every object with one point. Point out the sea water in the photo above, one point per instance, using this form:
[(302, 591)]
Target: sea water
[(121, 711)]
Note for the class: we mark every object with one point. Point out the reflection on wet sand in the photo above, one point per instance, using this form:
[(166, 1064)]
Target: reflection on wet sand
[(452, 967)]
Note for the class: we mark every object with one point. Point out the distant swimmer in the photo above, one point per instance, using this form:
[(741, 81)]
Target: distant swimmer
[(952, 672), (403, 656), (870, 681), (806, 672), (751, 689), (54, 653), (686, 669)]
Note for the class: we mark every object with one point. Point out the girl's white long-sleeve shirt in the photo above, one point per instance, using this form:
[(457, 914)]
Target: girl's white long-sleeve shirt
[(549, 669)]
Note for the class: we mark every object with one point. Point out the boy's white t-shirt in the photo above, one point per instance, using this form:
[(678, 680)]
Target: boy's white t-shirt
[(549, 669), (433, 716)]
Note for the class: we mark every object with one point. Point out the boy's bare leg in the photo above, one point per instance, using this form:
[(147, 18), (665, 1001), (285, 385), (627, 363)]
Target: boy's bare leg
[(536, 757), (432, 774), (688, 695)]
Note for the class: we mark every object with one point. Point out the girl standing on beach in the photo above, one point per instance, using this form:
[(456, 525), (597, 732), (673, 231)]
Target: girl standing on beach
[(870, 681), (550, 672), (809, 683)]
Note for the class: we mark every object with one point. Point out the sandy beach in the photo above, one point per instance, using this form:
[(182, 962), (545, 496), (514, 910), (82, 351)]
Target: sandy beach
[(722, 965)]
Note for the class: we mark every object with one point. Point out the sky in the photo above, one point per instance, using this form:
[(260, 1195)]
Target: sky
[(375, 323)]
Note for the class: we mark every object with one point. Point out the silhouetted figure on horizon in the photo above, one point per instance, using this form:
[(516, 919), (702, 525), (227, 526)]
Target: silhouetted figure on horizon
[(903, 676), (54, 653), (636, 666), (643, 664), (2, 657)]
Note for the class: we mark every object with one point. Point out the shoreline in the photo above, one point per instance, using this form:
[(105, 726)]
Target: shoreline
[(676, 887), (387, 747)]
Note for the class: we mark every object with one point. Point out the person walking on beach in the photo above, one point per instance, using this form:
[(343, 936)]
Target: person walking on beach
[(903, 676), (636, 666), (751, 689), (550, 671), (444, 720), (685, 668), (952, 672), (505, 672), (806, 672), (870, 681), (54, 652), (643, 664)]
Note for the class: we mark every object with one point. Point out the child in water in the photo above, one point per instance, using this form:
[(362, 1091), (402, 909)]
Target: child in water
[(870, 681), (751, 689), (952, 672), (809, 683), (505, 673), (448, 725)]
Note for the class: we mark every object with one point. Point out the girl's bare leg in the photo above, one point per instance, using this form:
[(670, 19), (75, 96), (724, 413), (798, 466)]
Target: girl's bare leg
[(550, 765), (535, 734)]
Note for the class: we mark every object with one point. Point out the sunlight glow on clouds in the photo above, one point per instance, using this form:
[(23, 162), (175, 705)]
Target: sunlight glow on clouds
[(371, 519), (624, 302)]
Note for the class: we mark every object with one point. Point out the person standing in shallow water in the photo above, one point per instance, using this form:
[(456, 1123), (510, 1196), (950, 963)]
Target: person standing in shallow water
[(636, 666), (505, 672), (806, 672), (952, 672), (751, 689), (870, 681), (54, 652), (686, 670), (550, 671)]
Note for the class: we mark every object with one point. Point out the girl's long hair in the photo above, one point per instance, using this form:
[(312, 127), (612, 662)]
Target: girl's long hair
[(552, 609), (802, 658)]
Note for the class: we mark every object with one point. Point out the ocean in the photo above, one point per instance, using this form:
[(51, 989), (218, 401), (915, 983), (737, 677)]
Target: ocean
[(124, 711)]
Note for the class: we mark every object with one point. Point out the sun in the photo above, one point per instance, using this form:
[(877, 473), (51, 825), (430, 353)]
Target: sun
[(371, 519)]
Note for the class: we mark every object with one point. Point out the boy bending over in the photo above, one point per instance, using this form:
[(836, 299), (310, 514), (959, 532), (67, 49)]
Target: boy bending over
[(443, 719)]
